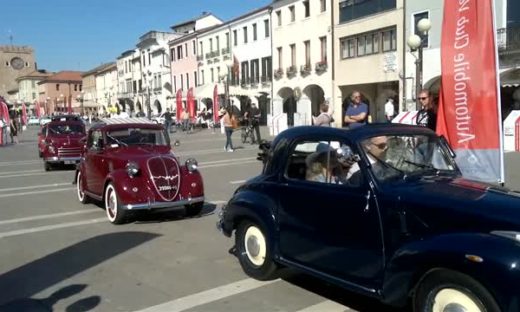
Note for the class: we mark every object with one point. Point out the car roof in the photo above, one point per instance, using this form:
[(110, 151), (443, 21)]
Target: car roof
[(360, 133), (65, 117), (65, 122), (122, 123)]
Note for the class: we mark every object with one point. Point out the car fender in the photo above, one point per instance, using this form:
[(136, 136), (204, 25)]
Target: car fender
[(125, 185), (489, 259), (250, 205)]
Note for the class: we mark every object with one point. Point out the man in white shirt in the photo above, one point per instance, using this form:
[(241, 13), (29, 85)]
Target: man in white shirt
[(389, 110)]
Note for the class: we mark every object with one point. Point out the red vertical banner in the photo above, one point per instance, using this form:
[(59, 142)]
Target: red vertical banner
[(216, 105), (191, 103), (469, 103), (178, 98)]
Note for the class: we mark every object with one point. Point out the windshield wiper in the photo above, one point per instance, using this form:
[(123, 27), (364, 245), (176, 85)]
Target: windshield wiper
[(424, 166), (116, 140), (387, 165)]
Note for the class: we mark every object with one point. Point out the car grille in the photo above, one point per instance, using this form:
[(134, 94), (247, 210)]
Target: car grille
[(69, 151), (165, 175)]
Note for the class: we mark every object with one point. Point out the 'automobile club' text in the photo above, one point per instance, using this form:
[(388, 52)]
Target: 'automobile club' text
[(461, 68)]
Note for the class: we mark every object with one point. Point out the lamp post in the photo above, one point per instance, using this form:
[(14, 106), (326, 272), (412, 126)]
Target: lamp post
[(62, 99), (79, 98), (229, 64), (415, 42)]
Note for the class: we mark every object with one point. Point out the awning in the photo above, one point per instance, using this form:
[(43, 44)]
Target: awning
[(510, 78), (206, 90)]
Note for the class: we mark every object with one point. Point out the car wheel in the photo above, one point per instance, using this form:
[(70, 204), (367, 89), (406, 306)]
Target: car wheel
[(47, 166), (194, 209), (115, 213), (452, 291), (82, 197), (254, 251)]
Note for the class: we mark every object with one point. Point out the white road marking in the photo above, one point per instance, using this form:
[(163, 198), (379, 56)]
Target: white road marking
[(328, 305), (204, 297), (30, 174), (37, 192), (48, 216), (237, 182), (33, 187), (230, 164), (19, 163), (50, 227), (19, 171)]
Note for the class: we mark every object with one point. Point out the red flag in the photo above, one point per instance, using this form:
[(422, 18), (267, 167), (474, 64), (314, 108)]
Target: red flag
[(216, 105), (5, 112), (469, 107), (191, 103), (179, 104)]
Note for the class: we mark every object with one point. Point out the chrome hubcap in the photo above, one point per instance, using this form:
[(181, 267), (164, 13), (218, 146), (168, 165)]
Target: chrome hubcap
[(454, 307), (252, 246)]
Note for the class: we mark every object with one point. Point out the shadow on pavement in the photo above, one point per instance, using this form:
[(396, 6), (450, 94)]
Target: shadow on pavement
[(46, 304), (23, 282), (335, 293), (165, 215)]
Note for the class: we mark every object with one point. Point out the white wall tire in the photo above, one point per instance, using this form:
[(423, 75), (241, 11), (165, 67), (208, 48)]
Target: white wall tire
[(115, 214), (255, 245), (446, 291), (253, 250), (450, 299), (82, 197)]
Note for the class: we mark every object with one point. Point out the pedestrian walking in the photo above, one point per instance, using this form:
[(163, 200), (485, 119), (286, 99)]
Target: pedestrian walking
[(13, 126), (229, 122), (253, 117), (389, 110), (357, 112), (168, 120)]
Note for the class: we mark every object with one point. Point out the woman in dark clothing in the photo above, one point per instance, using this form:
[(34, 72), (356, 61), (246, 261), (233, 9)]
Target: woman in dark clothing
[(14, 127)]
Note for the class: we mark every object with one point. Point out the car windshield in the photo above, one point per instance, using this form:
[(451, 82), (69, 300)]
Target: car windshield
[(136, 136), (66, 129), (404, 156)]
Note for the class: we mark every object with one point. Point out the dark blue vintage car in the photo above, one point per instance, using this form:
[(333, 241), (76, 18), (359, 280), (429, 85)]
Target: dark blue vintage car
[(383, 211)]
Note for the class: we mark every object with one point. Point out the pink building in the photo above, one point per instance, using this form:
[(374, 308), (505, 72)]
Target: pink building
[(60, 89)]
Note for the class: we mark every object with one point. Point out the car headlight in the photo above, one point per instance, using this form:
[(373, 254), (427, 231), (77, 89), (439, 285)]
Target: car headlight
[(191, 164), (508, 234), (132, 169)]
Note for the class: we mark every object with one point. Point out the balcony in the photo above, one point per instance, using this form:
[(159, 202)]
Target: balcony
[(305, 69), (210, 61), (209, 55), (278, 73), (321, 67), (508, 41), (254, 82), (200, 58), (225, 51), (291, 71)]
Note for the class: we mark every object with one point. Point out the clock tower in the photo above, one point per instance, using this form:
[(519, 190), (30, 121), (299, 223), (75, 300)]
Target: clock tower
[(15, 61)]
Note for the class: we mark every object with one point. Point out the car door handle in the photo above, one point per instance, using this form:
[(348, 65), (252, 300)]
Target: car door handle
[(367, 206)]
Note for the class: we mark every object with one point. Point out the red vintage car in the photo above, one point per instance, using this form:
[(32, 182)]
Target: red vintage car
[(129, 166), (61, 141)]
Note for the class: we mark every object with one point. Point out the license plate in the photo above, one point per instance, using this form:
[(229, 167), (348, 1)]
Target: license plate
[(70, 162)]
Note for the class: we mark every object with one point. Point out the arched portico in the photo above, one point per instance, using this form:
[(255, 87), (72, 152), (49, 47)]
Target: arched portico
[(288, 103), (157, 106), (316, 96)]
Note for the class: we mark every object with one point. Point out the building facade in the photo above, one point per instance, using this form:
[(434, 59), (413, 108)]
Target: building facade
[(15, 62), (60, 90), (157, 88), (129, 80), (107, 89), (368, 49), (301, 57), (28, 92)]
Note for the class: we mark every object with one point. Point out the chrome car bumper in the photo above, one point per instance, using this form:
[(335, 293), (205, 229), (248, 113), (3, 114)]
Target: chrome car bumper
[(160, 205), (57, 159)]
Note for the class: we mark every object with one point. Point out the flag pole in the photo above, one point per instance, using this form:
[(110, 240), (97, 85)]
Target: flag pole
[(499, 97)]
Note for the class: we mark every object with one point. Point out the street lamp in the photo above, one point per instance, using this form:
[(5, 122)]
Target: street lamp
[(229, 64), (79, 98), (415, 42)]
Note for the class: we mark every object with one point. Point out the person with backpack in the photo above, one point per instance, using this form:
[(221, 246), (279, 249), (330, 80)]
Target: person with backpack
[(324, 118)]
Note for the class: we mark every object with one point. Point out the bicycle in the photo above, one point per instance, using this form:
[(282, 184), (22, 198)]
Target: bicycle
[(247, 132)]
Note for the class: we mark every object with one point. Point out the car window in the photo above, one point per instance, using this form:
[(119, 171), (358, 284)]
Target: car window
[(64, 129), (136, 136), (324, 162), (95, 140)]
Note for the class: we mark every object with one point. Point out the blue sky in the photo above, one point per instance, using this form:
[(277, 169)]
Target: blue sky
[(82, 34)]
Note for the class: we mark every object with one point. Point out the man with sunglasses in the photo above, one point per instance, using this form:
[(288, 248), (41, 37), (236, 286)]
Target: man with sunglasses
[(427, 115), (356, 113)]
